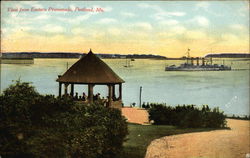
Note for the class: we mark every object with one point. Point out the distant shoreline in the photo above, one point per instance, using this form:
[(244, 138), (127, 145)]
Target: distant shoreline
[(77, 55), (25, 55)]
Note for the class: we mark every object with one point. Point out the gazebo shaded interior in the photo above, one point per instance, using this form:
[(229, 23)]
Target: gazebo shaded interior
[(91, 70)]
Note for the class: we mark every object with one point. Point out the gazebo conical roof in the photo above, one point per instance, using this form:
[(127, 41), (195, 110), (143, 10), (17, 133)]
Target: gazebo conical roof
[(90, 69)]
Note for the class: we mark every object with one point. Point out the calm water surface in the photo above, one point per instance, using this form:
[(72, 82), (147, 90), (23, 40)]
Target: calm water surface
[(228, 90)]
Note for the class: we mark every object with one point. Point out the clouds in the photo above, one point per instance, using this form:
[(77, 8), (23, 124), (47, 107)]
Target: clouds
[(244, 10), (51, 28), (178, 29), (42, 17), (161, 14), (172, 33), (88, 33), (128, 14), (107, 21), (169, 22), (238, 27), (107, 9), (151, 23), (77, 31), (196, 34), (114, 31), (143, 25), (75, 20), (31, 4), (201, 21), (202, 6), (233, 43), (176, 13)]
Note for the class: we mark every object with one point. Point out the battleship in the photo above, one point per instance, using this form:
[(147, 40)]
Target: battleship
[(204, 66)]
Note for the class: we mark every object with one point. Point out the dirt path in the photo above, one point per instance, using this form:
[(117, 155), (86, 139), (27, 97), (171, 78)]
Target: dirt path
[(234, 143), (135, 115)]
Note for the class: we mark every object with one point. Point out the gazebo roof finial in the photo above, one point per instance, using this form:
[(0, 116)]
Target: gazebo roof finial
[(90, 51)]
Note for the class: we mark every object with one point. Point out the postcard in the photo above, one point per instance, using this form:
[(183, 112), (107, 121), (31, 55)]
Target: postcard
[(135, 56)]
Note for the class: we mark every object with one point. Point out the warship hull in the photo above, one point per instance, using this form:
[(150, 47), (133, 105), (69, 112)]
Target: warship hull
[(187, 67), (196, 69)]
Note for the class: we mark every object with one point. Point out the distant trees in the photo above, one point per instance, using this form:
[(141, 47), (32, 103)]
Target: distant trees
[(33, 125), (187, 116), (245, 117)]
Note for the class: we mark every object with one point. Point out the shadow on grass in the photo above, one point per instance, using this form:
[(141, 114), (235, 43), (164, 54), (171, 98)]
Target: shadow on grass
[(140, 136)]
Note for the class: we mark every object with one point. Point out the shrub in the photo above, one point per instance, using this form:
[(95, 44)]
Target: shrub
[(186, 116), (192, 119), (33, 125)]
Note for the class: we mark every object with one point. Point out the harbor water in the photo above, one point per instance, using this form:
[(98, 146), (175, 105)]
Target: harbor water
[(228, 90)]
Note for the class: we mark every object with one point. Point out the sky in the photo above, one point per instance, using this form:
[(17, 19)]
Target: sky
[(165, 28)]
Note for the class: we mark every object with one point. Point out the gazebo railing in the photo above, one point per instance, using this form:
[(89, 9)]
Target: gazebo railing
[(114, 104)]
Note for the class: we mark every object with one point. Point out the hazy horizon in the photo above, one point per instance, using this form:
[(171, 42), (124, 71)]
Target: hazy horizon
[(126, 54)]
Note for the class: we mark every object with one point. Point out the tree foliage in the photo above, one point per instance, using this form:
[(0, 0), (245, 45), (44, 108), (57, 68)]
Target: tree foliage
[(33, 125)]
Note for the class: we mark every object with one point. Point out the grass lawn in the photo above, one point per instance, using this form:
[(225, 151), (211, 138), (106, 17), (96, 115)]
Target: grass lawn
[(140, 137)]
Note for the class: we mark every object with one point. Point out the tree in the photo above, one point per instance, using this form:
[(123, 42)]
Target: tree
[(15, 119), (33, 125)]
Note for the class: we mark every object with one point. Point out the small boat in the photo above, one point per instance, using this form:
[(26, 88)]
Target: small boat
[(128, 63), (190, 66)]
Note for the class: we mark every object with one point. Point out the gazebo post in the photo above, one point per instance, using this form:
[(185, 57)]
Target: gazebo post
[(60, 89), (72, 90), (90, 92), (120, 91), (66, 88), (110, 95), (113, 90)]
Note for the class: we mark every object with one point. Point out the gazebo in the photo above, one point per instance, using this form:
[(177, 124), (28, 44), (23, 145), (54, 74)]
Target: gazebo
[(91, 70)]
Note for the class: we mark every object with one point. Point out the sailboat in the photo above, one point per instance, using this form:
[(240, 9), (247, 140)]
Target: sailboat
[(128, 63)]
